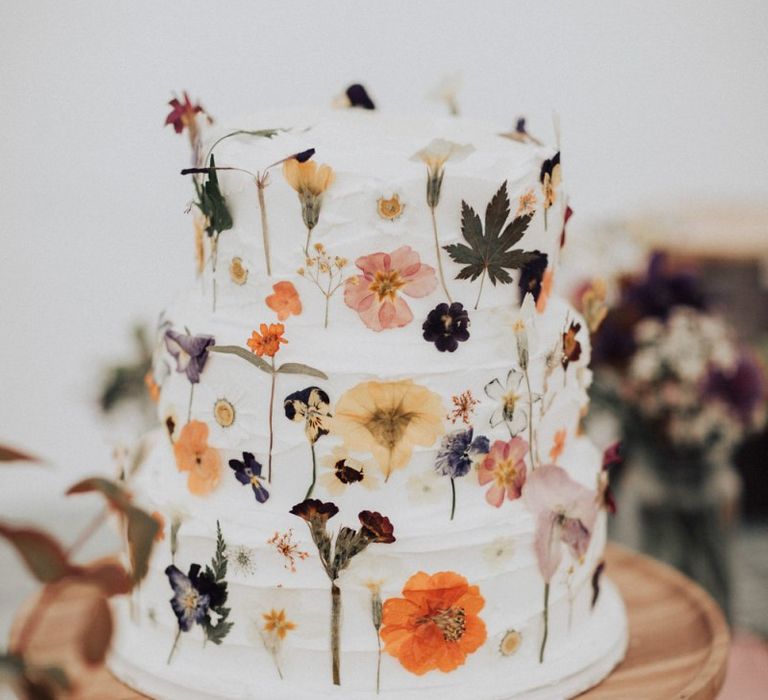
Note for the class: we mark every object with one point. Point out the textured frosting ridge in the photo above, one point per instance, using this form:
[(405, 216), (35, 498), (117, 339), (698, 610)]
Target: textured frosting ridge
[(433, 418)]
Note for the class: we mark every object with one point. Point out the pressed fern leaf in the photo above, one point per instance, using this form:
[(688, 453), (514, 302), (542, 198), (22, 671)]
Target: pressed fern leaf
[(489, 248)]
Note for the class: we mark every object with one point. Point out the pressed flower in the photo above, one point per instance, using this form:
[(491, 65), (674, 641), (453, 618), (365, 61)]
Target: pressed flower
[(376, 527), (200, 223), (458, 452), (342, 471), (509, 396), (612, 460), (153, 388), (224, 413), (532, 276), (520, 133), (547, 283), (376, 294), (504, 468), (593, 304), (558, 445), (310, 182), (526, 204), (571, 346), (268, 341), (321, 267), (549, 177), (276, 622), (463, 407), (273, 627), (193, 455), (242, 560), (447, 326), (310, 406), (288, 549), (510, 642), (357, 96), (183, 114), (435, 625), (565, 514), (248, 473), (389, 419), (189, 351), (285, 301), (314, 511), (191, 600), (391, 208), (238, 272), (157, 516)]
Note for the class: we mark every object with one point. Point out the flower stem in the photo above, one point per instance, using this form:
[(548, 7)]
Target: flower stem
[(335, 633), (482, 281), (271, 411), (306, 245), (175, 644), (530, 419), (439, 257), (314, 471), (546, 622), (191, 396), (378, 663), (264, 225), (453, 497)]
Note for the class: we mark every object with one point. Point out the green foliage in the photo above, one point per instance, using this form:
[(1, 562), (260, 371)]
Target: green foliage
[(211, 202), (217, 571)]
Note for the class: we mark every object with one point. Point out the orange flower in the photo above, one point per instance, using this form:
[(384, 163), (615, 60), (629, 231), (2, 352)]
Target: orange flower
[(285, 301), (268, 341), (275, 622), (194, 456), (157, 516), (546, 290), (152, 386), (558, 446), (436, 624)]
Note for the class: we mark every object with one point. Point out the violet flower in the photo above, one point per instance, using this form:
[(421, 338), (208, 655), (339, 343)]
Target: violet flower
[(248, 472), (456, 455), (189, 351)]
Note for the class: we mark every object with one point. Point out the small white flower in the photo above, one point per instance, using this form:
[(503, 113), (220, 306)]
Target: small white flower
[(512, 398), (242, 559)]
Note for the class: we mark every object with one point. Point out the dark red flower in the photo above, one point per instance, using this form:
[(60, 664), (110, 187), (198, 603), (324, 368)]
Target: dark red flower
[(376, 527), (314, 511), (571, 346), (612, 459), (182, 113), (568, 214), (596, 581)]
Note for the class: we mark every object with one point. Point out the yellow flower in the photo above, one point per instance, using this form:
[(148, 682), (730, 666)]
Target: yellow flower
[(391, 208), (389, 419), (310, 182), (238, 272), (275, 622)]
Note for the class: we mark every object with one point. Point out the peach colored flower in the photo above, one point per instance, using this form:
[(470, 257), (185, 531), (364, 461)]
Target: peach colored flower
[(376, 294), (435, 625), (268, 341), (504, 468), (285, 301), (558, 446), (153, 387), (546, 290), (194, 456)]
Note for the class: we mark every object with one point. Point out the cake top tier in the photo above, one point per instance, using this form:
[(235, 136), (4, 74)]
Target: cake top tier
[(477, 210)]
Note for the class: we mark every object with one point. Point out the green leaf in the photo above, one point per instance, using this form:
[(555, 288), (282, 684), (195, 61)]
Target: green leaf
[(44, 556), (298, 368), (8, 454), (212, 203), (219, 562), (489, 251), (247, 355)]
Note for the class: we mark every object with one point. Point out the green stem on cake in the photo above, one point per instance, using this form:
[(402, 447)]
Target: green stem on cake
[(530, 418), (546, 622), (306, 245), (378, 663), (314, 471), (261, 183), (173, 648), (271, 411), (453, 497), (214, 258), (335, 633), (439, 257)]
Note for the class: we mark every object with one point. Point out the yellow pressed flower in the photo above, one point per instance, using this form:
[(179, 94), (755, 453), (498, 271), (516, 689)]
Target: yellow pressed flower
[(389, 419), (276, 622), (238, 272), (510, 643), (224, 413), (390, 209), (310, 181)]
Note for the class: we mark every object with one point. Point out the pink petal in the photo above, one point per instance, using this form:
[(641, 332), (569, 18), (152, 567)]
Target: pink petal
[(495, 495), (576, 536), (421, 282), (547, 545), (404, 259), (395, 314), (485, 472), (371, 264), (358, 296)]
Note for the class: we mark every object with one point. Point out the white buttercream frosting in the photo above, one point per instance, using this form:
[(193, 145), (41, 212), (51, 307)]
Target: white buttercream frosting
[(371, 155)]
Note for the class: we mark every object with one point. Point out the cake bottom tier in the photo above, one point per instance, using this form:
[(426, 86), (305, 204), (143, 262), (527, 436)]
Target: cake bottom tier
[(578, 657)]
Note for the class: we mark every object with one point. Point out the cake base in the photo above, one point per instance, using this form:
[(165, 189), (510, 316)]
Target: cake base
[(586, 660)]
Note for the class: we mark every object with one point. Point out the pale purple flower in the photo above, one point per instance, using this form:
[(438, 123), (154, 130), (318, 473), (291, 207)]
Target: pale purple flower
[(457, 452), (189, 351), (565, 513)]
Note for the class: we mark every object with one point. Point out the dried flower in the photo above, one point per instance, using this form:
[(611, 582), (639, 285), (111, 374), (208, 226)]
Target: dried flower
[(189, 351), (447, 326), (310, 182), (238, 272), (248, 473), (390, 209), (463, 407), (593, 304), (288, 549), (526, 204), (285, 301), (504, 468), (376, 527), (268, 341), (193, 455), (510, 642)]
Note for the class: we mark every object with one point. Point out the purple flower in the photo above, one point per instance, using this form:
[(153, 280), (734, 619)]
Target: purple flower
[(194, 595), (249, 472), (190, 352), (447, 326), (457, 452)]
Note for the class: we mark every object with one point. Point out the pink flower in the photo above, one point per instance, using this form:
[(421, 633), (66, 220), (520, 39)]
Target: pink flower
[(565, 513), (504, 467), (376, 294)]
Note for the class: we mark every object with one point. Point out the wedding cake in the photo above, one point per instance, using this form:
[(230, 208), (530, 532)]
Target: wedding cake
[(370, 468)]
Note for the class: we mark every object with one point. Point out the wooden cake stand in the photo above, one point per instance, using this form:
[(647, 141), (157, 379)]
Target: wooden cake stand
[(678, 639)]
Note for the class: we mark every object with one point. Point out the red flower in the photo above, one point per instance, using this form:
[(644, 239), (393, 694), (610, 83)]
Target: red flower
[(182, 113), (313, 510), (377, 527)]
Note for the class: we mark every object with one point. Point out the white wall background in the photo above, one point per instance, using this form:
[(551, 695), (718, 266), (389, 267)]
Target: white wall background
[(659, 101)]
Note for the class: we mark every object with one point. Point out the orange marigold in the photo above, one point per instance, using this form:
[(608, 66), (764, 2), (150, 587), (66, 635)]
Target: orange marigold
[(268, 341), (436, 624), (285, 301), (193, 455)]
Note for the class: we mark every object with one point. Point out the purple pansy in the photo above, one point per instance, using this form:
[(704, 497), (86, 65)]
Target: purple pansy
[(193, 595), (248, 471), (189, 351), (457, 452)]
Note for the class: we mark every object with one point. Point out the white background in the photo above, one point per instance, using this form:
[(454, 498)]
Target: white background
[(659, 101)]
